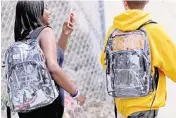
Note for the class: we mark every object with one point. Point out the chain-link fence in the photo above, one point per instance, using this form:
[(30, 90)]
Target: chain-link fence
[(81, 55)]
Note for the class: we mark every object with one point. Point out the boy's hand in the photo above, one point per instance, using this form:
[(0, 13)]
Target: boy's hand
[(67, 28), (81, 99)]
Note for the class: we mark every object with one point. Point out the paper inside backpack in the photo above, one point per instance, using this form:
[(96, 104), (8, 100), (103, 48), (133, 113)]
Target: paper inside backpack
[(40, 98), (128, 42)]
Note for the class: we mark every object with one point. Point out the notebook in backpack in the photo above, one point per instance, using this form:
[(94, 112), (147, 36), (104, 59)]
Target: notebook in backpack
[(29, 82), (129, 64)]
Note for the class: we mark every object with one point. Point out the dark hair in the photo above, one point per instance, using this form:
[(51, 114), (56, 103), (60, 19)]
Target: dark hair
[(138, 4), (28, 17)]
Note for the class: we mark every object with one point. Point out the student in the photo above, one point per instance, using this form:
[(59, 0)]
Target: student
[(163, 55), (31, 15), (67, 29)]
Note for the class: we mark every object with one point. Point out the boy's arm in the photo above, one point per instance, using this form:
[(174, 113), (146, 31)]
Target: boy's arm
[(103, 54), (102, 58), (167, 54)]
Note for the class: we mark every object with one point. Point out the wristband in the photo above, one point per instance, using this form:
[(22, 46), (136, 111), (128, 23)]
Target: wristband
[(76, 94)]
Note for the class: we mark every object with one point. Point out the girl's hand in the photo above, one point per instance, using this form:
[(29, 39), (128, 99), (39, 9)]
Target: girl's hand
[(68, 27)]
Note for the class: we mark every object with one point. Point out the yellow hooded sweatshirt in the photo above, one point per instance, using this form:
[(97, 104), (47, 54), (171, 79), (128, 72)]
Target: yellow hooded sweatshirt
[(163, 56)]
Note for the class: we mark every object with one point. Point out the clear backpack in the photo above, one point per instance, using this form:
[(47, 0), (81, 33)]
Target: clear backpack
[(128, 61), (30, 85)]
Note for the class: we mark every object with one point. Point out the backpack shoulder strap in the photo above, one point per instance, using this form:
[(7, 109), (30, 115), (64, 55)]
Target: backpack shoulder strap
[(8, 112), (36, 32), (156, 74), (146, 23)]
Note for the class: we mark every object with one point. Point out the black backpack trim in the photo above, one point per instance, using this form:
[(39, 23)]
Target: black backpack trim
[(146, 23), (156, 74)]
